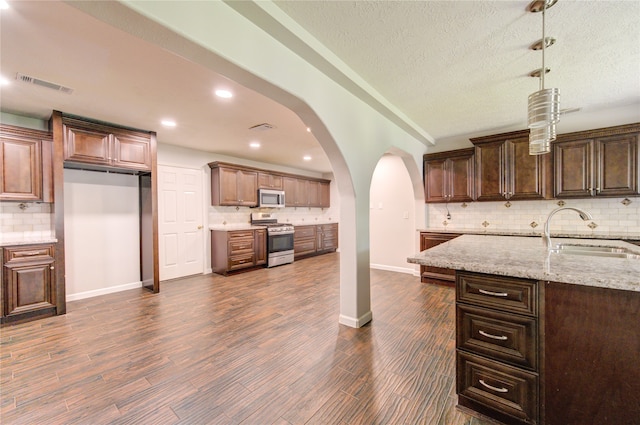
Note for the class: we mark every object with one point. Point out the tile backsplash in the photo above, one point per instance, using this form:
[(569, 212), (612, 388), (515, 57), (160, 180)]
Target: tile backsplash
[(615, 216), (300, 215), (24, 221)]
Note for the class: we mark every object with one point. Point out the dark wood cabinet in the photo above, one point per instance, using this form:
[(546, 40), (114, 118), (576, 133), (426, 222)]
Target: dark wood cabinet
[(325, 195), (596, 164), (231, 186), (28, 282), (438, 275), (591, 362), (506, 171), (233, 250), (315, 239), (90, 143), (449, 176), (300, 192), (25, 165), (497, 346)]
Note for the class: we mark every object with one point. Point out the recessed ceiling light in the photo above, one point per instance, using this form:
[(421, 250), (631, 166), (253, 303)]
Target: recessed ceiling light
[(4, 4), (254, 145), (307, 157), (225, 94), (168, 123), (4, 81), (308, 129)]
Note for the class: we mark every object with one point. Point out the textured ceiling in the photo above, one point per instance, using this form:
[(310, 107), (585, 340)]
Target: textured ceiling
[(456, 69)]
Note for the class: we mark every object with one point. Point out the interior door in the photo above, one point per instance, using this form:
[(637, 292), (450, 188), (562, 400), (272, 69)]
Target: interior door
[(180, 223)]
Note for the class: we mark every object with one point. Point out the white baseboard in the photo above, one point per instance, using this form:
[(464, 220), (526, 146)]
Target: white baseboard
[(103, 291), (394, 269), (356, 322)]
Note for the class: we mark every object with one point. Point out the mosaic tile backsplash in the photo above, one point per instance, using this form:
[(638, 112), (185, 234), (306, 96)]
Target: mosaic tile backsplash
[(615, 216)]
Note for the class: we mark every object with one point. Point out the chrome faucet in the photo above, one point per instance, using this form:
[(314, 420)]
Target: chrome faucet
[(547, 238)]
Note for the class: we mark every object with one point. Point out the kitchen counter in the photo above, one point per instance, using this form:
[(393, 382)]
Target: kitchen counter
[(536, 233), (28, 242), (235, 226), (526, 257)]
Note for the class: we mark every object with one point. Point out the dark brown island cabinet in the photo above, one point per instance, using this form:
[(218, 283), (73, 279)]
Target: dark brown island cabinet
[(431, 274), (537, 352)]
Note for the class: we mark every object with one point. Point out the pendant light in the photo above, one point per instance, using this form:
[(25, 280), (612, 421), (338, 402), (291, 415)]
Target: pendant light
[(543, 105)]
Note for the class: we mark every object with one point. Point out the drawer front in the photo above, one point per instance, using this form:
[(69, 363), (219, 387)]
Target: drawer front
[(242, 234), (304, 246), (241, 261), (29, 253), (239, 245), (504, 293), (304, 232), (499, 387), (502, 336)]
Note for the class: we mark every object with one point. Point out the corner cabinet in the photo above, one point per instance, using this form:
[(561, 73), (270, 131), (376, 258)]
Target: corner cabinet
[(233, 186), (101, 145), (506, 171), (25, 165), (449, 176), (598, 163), (28, 282)]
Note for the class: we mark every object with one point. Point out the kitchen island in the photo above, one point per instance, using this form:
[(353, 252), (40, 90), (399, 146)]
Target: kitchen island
[(544, 338)]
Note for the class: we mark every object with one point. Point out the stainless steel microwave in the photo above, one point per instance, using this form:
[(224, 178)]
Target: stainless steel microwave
[(269, 198)]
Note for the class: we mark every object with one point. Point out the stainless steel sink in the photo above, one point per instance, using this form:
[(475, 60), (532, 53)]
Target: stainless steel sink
[(594, 251)]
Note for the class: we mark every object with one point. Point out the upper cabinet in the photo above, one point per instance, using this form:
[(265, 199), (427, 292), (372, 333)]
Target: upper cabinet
[(506, 171), (597, 163), (449, 176), (101, 145), (270, 181), (302, 192), (233, 186), (26, 165)]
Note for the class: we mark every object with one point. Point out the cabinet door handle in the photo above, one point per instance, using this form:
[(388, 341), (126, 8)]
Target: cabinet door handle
[(493, 294), (496, 389), (52, 268), (498, 337)]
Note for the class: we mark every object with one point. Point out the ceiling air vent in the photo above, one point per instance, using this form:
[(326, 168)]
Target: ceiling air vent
[(261, 127), (42, 83)]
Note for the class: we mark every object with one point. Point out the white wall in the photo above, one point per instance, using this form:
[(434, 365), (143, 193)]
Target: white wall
[(392, 216), (102, 233)]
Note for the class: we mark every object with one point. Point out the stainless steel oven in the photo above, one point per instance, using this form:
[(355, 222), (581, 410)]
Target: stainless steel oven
[(279, 238)]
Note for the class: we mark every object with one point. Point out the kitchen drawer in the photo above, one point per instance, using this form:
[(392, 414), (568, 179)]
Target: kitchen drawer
[(504, 293), (305, 231), (240, 234), (240, 245), (305, 246), (28, 253), (241, 261), (510, 338), (503, 389)]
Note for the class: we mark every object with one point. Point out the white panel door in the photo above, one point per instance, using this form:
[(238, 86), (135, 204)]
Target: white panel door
[(180, 223)]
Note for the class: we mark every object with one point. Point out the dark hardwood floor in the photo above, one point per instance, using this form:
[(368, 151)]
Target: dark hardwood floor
[(262, 347)]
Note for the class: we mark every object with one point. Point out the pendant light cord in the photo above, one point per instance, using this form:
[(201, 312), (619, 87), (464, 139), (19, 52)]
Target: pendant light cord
[(544, 45)]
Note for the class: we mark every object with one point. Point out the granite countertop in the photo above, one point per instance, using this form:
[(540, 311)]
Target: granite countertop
[(538, 233), (29, 242), (527, 258), (235, 226)]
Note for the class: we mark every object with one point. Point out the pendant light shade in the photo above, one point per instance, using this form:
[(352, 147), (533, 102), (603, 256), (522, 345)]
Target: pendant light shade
[(540, 139), (544, 108)]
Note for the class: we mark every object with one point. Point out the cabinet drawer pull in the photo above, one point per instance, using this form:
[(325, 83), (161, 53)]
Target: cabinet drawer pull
[(496, 389), (495, 294), (499, 337), (30, 253)]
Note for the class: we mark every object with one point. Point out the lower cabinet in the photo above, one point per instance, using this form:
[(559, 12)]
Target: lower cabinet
[(315, 239), (430, 274), (237, 249), (497, 350), (28, 287)]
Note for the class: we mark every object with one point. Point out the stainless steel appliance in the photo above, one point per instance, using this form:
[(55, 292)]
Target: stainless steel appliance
[(270, 198), (279, 238)]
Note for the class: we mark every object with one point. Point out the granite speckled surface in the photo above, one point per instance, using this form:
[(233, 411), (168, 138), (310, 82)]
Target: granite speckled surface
[(29, 242), (526, 257), (235, 226)]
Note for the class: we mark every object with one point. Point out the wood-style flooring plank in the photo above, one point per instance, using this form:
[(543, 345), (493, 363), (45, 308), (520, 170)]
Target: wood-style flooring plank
[(256, 348)]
